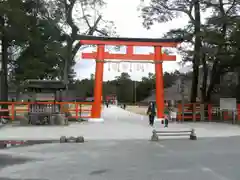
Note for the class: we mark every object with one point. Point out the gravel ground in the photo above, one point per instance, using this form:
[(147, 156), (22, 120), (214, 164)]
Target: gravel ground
[(119, 149), (208, 159)]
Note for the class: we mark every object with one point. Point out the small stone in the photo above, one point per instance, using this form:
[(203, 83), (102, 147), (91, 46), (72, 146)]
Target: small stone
[(63, 139), (80, 139), (52, 120), (60, 119), (71, 138)]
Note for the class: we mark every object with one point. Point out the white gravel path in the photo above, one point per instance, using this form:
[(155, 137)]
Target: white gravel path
[(118, 125)]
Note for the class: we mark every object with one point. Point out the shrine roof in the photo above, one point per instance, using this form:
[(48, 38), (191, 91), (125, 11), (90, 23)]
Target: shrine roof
[(44, 84)]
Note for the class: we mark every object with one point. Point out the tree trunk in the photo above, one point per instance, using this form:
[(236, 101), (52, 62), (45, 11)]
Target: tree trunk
[(204, 80), (67, 62), (197, 47), (4, 72), (215, 74), (216, 69)]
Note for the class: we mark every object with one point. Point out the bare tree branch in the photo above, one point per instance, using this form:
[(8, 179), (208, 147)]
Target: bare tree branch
[(69, 19), (177, 9), (101, 32), (94, 27), (84, 16), (230, 8), (90, 32)]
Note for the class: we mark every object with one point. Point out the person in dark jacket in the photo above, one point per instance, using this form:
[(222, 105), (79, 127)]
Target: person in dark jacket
[(151, 112)]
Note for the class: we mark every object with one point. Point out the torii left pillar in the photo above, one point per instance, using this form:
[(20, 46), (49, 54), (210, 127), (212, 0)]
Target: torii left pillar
[(98, 85)]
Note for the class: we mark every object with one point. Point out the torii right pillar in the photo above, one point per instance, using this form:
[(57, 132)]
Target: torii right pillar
[(159, 82)]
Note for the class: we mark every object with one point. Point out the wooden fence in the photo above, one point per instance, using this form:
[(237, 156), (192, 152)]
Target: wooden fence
[(19, 109), (206, 112)]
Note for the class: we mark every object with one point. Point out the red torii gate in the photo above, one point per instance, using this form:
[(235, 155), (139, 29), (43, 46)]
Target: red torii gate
[(158, 57)]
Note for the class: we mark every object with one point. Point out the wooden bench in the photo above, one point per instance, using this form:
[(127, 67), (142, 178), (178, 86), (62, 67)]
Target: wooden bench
[(191, 133)]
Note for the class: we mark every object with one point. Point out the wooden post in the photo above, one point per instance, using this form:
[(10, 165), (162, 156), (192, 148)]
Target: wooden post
[(225, 115), (202, 112), (96, 110), (13, 111), (80, 110), (183, 111), (238, 112), (194, 111), (76, 109), (209, 112), (159, 82), (179, 112)]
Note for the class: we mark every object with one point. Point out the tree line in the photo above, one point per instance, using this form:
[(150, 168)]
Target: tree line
[(214, 43), (39, 38), (127, 90)]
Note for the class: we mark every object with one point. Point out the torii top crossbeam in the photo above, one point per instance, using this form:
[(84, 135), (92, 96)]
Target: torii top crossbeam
[(124, 41), (129, 43)]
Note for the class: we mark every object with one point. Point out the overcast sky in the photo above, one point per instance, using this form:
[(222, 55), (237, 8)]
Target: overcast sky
[(128, 23)]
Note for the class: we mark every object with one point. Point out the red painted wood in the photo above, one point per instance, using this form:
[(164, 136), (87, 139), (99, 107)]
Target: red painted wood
[(129, 43), (133, 57)]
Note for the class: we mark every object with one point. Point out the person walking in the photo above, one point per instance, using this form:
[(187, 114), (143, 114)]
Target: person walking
[(151, 112), (166, 116)]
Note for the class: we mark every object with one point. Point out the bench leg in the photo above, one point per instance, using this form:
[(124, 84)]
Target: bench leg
[(154, 137), (193, 135)]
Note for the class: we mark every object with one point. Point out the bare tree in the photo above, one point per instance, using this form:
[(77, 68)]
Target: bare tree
[(79, 17), (167, 10)]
